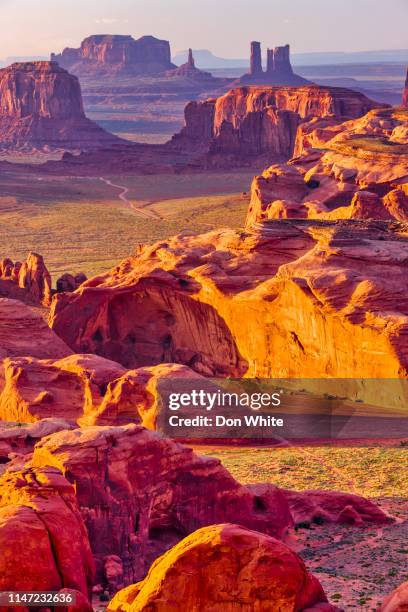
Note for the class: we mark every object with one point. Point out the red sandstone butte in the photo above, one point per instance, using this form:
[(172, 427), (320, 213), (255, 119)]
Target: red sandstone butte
[(224, 568), (254, 121), (107, 54), (41, 107)]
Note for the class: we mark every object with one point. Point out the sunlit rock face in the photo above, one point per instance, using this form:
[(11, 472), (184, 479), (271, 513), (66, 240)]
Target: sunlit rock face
[(41, 106), (225, 568), (296, 298)]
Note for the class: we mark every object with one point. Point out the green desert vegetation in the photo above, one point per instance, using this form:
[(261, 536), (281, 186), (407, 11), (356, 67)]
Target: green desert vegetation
[(80, 224)]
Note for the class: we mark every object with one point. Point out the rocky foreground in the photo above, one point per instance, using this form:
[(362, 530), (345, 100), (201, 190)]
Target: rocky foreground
[(314, 286)]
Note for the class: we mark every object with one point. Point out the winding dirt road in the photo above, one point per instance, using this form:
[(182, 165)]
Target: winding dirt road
[(140, 210)]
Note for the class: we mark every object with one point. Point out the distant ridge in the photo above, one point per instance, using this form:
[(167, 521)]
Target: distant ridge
[(206, 59)]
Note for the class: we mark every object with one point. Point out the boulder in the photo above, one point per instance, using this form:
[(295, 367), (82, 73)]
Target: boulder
[(334, 507), (224, 568)]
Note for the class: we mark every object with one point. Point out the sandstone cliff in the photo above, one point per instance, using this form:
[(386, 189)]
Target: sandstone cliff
[(354, 170), (305, 298), (140, 493), (105, 54), (41, 106), (253, 121)]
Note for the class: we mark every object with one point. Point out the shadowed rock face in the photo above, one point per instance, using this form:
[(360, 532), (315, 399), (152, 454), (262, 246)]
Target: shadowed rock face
[(224, 568), (304, 298), (41, 106), (140, 493), (115, 54), (254, 121), (24, 332), (405, 93)]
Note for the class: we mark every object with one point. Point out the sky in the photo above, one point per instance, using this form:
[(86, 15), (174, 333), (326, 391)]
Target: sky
[(223, 26)]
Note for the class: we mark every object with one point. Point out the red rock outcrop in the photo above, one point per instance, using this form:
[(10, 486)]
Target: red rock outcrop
[(43, 541), (105, 54), (41, 107), (24, 332), (19, 439), (334, 507), (354, 170), (405, 93), (324, 298), (68, 282), (397, 601), (82, 389), (140, 493), (190, 71), (255, 121), (224, 568), (29, 281), (278, 71)]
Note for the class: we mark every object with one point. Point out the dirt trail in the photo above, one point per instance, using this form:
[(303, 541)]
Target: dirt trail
[(140, 210)]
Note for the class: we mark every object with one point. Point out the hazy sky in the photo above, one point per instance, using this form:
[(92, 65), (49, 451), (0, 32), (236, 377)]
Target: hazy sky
[(224, 26)]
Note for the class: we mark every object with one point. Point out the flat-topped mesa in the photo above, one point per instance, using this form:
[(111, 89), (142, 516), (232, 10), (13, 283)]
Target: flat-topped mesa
[(41, 107), (278, 68), (190, 71), (405, 92), (257, 121), (113, 54)]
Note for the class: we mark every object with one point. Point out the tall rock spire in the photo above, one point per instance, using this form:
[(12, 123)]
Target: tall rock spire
[(190, 60), (256, 58)]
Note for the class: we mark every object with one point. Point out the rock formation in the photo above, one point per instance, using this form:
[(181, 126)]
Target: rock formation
[(339, 173), (397, 601), (278, 70), (334, 507), (29, 281), (189, 71), (105, 54), (43, 540), (253, 121), (322, 297), (69, 282), (140, 493), (82, 389), (41, 106), (405, 93), (222, 568), (255, 68), (24, 332)]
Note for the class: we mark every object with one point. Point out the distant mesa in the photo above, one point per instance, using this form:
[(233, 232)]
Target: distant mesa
[(117, 54), (405, 93), (279, 70), (41, 108), (190, 71)]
